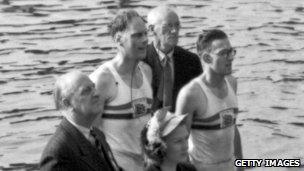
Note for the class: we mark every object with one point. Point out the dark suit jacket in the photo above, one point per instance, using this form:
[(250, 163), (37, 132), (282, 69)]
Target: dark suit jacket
[(186, 67), (68, 149)]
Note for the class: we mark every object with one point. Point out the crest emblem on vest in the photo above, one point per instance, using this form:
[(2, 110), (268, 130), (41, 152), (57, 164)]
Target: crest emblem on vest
[(140, 107), (227, 118)]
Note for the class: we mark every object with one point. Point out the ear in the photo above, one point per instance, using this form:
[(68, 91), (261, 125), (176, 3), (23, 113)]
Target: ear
[(151, 28), (66, 102), (117, 38), (207, 58)]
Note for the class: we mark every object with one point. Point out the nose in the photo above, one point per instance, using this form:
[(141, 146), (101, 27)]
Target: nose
[(230, 57), (174, 29), (185, 145), (231, 54), (95, 93)]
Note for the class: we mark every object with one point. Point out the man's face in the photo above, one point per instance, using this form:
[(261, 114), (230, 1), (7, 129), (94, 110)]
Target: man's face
[(222, 56), (134, 39), (167, 30), (84, 99)]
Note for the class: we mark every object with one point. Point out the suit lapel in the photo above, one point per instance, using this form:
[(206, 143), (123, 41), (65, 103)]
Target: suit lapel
[(84, 148), (177, 66), (154, 62), (106, 148)]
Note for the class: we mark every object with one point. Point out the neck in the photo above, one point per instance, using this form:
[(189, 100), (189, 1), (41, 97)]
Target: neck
[(163, 48), (79, 119), (125, 64), (212, 79), (168, 165)]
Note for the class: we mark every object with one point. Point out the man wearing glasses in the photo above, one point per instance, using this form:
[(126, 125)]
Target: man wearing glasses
[(172, 66), (211, 102)]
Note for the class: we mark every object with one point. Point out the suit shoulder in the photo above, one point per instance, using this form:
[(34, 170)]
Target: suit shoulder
[(186, 166), (58, 144), (185, 52), (151, 54)]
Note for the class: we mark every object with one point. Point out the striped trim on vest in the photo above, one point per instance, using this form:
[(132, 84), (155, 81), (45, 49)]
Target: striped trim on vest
[(206, 123), (124, 111)]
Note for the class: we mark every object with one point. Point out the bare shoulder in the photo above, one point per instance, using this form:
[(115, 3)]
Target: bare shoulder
[(104, 81), (102, 75), (190, 90), (189, 98), (147, 70), (233, 82)]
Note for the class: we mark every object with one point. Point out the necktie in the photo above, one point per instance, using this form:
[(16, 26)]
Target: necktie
[(166, 83), (103, 152)]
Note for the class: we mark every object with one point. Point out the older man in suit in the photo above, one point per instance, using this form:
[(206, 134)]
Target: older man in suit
[(172, 66), (75, 146)]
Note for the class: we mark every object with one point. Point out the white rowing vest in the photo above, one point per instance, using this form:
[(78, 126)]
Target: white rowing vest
[(211, 142), (124, 117)]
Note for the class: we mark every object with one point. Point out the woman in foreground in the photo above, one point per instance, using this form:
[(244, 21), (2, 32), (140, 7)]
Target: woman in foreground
[(165, 143)]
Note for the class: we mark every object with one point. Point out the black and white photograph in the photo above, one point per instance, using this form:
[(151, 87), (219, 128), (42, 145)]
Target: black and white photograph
[(152, 85)]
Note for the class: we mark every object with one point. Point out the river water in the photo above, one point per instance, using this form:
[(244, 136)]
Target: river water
[(40, 40)]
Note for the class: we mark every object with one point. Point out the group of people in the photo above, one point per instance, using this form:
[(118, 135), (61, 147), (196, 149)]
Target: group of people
[(140, 110)]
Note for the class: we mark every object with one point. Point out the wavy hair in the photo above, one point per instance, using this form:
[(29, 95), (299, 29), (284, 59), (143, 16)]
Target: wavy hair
[(155, 151)]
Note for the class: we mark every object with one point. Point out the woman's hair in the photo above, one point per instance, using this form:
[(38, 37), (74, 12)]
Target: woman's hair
[(154, 151)]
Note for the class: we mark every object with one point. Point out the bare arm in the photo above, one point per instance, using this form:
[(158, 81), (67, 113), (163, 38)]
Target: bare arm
[(238, 152), (187, 103), (105, 86)]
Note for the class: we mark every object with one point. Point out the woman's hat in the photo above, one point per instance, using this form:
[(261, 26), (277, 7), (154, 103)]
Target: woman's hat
[(162, 124)]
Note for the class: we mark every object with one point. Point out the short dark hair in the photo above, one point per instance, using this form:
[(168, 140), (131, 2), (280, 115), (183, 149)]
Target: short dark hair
[(120, 22), (206, 38)]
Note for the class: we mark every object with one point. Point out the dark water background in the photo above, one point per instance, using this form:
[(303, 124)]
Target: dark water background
[(41, 39)]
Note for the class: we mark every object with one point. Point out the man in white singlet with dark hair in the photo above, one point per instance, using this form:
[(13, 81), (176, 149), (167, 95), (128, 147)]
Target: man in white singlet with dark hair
[(124, 83), (211, 102)]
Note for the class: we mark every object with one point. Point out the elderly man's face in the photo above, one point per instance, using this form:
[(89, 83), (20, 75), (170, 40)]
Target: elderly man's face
[(84, 100), (167, 30)]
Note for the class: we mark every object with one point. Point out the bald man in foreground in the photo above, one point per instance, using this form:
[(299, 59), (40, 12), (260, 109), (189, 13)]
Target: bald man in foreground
[(172, 66), (75, 146)]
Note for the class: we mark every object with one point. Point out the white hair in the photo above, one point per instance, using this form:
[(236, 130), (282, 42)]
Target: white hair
[(157, 13)]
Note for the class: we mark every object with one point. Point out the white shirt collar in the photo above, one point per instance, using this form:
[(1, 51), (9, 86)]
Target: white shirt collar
[(85, 131)]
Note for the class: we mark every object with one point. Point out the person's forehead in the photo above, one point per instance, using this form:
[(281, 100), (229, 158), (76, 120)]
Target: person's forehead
[(79, 81), (179, 132), (169, 17), (136, 25), (219, 44)]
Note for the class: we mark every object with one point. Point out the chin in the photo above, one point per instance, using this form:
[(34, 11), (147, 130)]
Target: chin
[(173, 43), (141, 57), (228, 73)]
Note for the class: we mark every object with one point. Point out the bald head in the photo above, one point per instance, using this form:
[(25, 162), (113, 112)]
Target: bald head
[(65, 86), (163, 22), (158, 14), (76, 96)]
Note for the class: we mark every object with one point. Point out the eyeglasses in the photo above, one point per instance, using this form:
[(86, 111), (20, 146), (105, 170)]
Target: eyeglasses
[(231, 52), (171, 26)]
